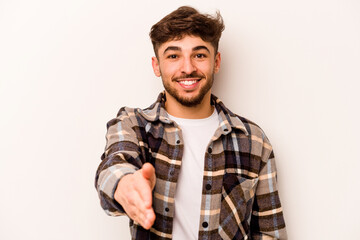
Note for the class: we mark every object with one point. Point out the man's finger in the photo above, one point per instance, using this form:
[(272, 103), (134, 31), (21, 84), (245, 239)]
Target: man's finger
[(136, 209), (142, 215), (149, 219)]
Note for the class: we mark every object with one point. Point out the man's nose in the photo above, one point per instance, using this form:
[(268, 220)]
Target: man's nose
[(188, 66)]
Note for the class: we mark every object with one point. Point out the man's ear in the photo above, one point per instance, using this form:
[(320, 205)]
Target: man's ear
[(217, 62), (156, 66)]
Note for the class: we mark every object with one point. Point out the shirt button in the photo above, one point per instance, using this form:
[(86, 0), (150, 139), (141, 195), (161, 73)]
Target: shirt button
[(209, 150), (167, 209), (172, 172), (178, 142), (208, 186), (205, 224)]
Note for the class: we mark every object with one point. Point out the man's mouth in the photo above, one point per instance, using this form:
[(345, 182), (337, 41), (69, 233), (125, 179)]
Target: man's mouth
[(188, 83)]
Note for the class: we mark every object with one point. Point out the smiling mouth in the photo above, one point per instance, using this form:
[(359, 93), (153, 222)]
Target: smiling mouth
[(188, 82)]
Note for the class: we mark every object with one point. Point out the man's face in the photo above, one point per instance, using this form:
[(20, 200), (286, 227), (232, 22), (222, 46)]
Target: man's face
[(187, 67)]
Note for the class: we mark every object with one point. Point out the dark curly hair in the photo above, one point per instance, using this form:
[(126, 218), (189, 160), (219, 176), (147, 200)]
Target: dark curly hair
[(187, 21)]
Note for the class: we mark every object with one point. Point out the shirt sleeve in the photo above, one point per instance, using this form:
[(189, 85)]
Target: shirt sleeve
[(122, 156), (267, 221)]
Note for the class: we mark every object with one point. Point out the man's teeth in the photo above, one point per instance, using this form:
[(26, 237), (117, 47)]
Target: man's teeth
[(188, 82)]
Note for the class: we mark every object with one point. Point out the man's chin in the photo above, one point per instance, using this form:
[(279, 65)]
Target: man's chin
[(190, 102), (190, 98)]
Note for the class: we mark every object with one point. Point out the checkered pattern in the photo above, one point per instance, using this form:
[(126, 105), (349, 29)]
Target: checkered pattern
[(239, 197)]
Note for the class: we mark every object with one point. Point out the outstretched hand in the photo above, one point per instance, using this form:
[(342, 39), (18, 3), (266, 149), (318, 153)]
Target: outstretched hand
[(134, 193)]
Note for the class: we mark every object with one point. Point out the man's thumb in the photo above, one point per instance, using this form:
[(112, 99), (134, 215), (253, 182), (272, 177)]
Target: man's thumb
[(148, 172)]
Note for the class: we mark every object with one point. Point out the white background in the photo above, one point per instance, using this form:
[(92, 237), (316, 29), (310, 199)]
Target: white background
[(66, 67)]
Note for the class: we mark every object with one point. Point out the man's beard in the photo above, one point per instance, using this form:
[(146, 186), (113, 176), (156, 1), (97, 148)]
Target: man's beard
[(186, 101)]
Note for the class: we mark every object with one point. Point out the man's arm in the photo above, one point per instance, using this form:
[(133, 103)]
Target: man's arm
[(123, 181), (267, 221)]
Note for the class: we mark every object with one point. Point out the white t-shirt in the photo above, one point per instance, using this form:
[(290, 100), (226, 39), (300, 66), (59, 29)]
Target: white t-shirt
[(196, 134)]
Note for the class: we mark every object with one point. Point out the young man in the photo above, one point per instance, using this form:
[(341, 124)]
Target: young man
[(187, 167)]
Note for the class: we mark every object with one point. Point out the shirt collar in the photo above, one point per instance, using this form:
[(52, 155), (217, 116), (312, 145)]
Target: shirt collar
[(227, 119)]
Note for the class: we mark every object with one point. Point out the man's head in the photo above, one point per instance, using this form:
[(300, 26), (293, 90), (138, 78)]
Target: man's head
[(186, 44), (187, 21)]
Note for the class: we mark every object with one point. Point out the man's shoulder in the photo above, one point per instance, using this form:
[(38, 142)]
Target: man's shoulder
[(127, 112), (126, 115), (141, 117), (236, 120), (253, 129)]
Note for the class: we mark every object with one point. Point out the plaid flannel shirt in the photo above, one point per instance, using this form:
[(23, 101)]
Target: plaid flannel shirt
[(239, 196)]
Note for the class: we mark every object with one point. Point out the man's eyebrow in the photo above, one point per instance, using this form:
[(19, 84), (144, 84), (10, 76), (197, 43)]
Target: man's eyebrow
[(201, 47), (173, 48)]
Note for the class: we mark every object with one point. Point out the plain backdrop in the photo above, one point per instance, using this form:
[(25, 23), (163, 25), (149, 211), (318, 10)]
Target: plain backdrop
[(66, 67)]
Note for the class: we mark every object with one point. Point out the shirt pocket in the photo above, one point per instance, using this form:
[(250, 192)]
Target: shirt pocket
[(236, 205)]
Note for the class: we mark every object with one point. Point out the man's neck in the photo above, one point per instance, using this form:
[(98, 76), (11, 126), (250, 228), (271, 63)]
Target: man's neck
[(202, 110)]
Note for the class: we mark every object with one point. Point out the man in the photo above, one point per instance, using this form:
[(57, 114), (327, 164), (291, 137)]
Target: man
[(187, 167)]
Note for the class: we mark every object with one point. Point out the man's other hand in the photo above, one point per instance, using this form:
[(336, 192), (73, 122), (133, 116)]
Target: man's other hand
[(134, 193)]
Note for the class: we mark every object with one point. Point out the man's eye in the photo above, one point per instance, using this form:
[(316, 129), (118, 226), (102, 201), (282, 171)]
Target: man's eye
[(172, 56), (200, 55)]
